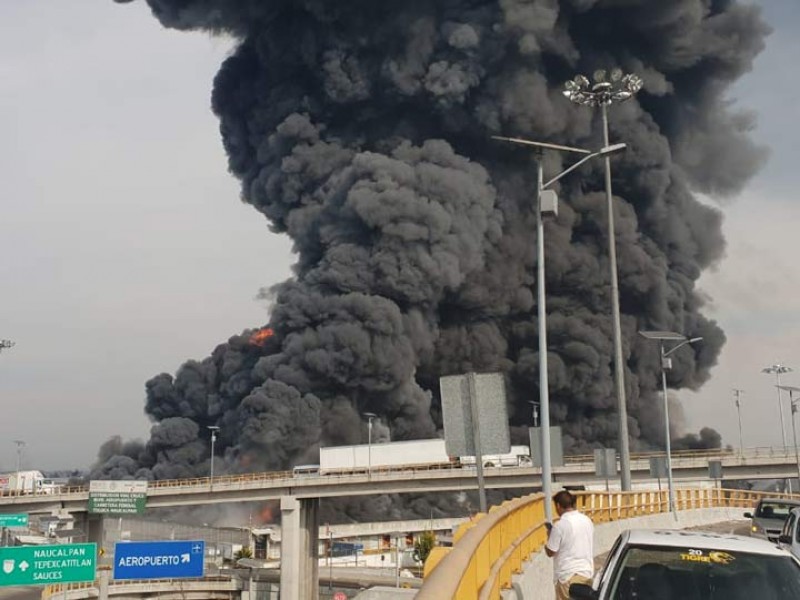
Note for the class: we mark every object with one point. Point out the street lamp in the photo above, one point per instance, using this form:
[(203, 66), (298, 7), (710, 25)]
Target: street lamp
[(20, 445), (793, 403), (369, 416), (778, 370), (738, 393), (666, 363), (604, 93), (213, 429), (5, 344), (543, 197)]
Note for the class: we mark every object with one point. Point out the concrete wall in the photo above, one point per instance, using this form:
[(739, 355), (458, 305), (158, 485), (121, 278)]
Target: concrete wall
[(536, 580)]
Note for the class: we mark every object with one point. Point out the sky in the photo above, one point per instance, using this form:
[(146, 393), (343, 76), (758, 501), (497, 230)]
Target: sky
[(125, 249)]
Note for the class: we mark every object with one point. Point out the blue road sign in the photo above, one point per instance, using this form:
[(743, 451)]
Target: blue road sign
[(158, 560)]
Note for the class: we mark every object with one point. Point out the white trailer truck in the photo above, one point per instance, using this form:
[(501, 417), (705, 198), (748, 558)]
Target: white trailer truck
[(412, 454), (407, 454), (28, 482)]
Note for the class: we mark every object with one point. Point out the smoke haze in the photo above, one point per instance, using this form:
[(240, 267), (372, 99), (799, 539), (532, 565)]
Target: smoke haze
[(361, 130)]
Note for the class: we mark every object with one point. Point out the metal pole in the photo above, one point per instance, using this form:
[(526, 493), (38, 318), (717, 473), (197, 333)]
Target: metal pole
[(738, 393), (330, 558), (670, 485), (213, 439), (794, 436), (783, 427), (619, 369), (20, 445), (544, 391), (397, 561), (369, 447), (476, 436)]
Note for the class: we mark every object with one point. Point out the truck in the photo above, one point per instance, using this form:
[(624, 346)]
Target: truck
[(414, 454), (518, 456), (406, 454), (28, 482)]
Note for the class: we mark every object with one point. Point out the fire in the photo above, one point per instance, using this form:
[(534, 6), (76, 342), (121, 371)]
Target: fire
[(265, 515), (261, 336)]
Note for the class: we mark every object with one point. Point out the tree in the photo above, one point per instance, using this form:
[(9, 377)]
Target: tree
[(423, 546), (245, 552)]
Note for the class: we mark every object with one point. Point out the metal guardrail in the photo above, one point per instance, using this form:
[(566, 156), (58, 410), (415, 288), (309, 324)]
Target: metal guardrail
[(61, 589), (488, 550), (287, 476)]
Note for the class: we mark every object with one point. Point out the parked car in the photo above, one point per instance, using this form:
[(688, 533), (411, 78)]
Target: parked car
[(693, 565), (790, 535), (769, 516)]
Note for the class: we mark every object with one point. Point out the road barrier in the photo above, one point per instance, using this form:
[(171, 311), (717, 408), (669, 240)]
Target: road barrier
[(492, 547)]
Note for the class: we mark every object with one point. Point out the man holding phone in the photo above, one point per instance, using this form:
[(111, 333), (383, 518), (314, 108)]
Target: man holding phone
[(570, 544)]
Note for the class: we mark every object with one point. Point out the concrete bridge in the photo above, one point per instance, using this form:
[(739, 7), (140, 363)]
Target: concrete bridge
[(299, 495)]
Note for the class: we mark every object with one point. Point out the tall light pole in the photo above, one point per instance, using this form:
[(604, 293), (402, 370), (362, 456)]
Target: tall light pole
[(778, 370), (603, 93), (738, 401), (369, 416), (793, 404), (666, 363), (213, 429), (544, 195), (20, 445)]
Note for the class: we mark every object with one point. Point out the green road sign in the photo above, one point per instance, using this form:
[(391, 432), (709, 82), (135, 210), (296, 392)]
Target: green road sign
[(117, 497), (117, 504), (43, 565), (14, 520)]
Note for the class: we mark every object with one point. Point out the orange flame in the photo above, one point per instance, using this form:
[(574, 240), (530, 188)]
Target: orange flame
[(261, 336), (265, 515)]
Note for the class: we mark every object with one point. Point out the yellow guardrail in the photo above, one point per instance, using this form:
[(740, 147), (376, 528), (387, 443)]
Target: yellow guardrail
[(491, 547)]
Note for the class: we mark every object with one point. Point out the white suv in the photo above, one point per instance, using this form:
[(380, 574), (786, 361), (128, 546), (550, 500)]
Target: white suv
[(693, 565)]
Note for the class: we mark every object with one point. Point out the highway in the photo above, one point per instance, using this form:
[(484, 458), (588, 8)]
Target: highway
[(756, 463)]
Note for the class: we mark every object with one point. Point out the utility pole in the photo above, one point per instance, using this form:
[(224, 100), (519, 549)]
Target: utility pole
[(738, 401)]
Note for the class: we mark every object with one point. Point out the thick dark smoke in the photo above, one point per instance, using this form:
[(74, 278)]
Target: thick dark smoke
[(360, 128)]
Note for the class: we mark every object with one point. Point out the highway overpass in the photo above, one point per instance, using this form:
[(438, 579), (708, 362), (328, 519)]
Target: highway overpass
[(299, 495)]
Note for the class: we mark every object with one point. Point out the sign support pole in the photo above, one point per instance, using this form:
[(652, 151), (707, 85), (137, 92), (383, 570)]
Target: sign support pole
[(476, 436)]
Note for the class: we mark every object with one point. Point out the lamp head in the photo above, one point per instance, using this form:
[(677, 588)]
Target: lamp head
[(612, 149)]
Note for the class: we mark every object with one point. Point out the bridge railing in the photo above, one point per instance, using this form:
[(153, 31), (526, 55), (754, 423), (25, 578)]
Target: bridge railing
[(248, 478), (61, 589), (489, 549)]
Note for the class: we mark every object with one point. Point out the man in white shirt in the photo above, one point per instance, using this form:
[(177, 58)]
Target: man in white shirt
[(570, 543)]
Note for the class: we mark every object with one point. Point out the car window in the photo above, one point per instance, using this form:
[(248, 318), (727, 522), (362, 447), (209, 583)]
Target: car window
[(774, 510), (664, 573), (787, 526), (797, 533)]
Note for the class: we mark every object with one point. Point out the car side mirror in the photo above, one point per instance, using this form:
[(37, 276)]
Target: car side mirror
[(785, 539), (748, 515), (581, 591)]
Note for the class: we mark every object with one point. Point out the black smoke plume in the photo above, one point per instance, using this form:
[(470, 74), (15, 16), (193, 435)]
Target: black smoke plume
[(360, 128)]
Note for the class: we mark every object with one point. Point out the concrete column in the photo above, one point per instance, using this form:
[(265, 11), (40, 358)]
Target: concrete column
[(299, 548)]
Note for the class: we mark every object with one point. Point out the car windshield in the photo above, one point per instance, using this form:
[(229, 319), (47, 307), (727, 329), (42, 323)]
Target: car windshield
[(664, 573), (774, 510)]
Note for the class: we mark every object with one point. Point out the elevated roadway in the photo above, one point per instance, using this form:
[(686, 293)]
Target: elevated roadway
[(688, 468)]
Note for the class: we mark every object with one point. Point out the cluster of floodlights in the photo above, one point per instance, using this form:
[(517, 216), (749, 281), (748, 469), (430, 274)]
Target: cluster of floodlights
[(607, 88)]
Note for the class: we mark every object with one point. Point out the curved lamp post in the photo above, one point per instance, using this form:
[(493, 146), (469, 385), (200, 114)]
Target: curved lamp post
[(666, 363), (604, 92), (541, 188)]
